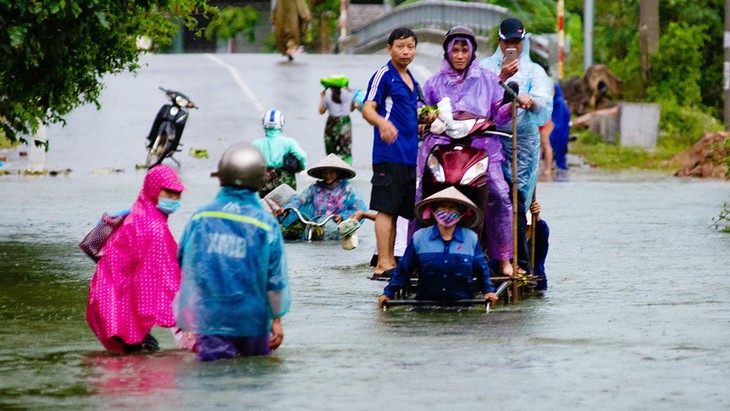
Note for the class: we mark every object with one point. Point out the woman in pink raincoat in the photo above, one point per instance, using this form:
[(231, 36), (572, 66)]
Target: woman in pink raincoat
[(138, 274)]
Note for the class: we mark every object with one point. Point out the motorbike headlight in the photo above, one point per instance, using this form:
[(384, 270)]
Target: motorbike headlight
[(479, 168), (181, 101), (433, 164)]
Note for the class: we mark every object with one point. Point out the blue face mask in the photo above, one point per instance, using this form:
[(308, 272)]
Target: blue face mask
[(168, 205)]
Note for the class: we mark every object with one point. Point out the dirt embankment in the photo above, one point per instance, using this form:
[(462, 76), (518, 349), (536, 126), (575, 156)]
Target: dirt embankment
[(705, 158)]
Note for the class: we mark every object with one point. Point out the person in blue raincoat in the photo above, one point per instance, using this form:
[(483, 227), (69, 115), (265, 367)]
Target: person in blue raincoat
[(536, 94), (446, 254), (234, 288), (561, 132)]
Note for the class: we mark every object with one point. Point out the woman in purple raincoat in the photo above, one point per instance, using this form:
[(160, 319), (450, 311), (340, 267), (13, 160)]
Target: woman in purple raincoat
[(474, 90)]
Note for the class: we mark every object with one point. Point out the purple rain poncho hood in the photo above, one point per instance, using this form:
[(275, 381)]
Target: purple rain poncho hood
[(450, 46), (473, 90)]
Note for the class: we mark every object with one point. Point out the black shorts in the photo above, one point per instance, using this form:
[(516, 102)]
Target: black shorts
[(394, 189)]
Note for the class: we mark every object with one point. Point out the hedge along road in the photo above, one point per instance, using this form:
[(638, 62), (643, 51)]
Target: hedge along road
[(636, 315)]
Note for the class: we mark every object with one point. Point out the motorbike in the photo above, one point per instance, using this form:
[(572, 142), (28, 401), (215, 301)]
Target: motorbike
[(164, 137), (458, 152), (458, 159)]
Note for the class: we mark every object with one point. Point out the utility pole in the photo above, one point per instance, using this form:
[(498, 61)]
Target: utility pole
[(343, 19), (726, 65), (561, 38), (648, 33), (588, 34)]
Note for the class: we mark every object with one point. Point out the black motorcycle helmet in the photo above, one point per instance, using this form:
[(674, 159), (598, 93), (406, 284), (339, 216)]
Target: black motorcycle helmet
[(460, 31)]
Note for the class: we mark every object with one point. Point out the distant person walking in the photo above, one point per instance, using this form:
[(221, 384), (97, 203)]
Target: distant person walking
[(290, 18), (391, 104), (339, 100)]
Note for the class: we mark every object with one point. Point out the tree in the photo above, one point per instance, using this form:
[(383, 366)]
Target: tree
[(230, 22), (53, 53), (648, 32)]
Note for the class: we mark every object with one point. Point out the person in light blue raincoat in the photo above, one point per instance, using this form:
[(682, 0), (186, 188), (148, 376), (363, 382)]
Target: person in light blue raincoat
[(234, 288), (284, 156), (536, 94)]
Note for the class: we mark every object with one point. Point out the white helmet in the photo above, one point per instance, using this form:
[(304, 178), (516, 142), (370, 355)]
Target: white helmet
[(273, 119)]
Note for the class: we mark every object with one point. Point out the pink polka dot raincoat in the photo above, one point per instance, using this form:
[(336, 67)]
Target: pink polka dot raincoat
[(138, 275)]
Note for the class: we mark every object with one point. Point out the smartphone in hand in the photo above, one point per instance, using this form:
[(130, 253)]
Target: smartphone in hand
[(510, 54)]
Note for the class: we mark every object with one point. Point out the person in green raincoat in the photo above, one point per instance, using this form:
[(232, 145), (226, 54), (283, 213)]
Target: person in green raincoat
[(284, 156)]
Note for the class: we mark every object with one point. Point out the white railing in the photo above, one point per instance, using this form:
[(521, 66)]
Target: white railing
[(427, 14)]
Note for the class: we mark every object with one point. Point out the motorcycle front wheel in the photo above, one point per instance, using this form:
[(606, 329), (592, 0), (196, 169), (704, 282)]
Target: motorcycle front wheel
[(160, 149)]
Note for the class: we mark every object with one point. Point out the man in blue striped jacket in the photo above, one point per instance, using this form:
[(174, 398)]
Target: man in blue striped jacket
[(391, 106)]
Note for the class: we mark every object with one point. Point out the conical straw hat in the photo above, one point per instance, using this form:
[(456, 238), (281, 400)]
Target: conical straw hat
[(332, 161), (472, 218)]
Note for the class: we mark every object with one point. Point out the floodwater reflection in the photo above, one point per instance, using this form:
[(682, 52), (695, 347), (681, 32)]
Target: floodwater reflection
[(637, 314)]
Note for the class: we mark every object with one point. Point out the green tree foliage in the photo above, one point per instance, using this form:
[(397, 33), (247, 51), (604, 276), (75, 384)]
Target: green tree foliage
[(329, 10), (231, 21), (53, 53), (676, 70)]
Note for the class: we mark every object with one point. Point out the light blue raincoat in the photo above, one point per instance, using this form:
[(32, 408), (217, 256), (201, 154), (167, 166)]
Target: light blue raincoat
[(275, 146), (532, 80), (234, 274)]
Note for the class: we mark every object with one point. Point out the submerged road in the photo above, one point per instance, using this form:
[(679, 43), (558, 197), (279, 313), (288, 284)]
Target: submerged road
[(637, 315)]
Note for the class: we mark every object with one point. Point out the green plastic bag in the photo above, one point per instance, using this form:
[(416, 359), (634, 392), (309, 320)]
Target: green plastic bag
[(335, 80)]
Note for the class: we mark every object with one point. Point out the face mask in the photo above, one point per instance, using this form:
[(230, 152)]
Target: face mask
[(447, 218), (168, 205)]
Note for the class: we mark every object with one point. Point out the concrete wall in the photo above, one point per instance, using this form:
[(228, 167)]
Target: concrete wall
[(639, 124)]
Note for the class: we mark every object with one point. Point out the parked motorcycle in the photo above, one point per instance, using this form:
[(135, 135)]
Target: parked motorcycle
[(166, 132)]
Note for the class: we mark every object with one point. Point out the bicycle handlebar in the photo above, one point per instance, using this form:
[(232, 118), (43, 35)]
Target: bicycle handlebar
[(310, 222)]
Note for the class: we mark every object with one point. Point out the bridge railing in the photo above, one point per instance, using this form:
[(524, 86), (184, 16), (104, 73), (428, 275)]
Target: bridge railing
[(427, 14)]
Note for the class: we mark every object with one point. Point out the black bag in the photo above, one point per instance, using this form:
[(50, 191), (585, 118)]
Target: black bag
[(94, 241), (291, 163)]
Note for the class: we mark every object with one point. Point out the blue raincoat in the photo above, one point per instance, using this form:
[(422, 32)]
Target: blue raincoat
[(234, 274), (532, 80)]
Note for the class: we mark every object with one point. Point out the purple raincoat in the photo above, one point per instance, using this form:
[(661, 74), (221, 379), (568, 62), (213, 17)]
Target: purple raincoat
[(138, 274), (477, 91)]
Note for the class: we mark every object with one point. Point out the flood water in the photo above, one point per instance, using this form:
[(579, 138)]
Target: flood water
[(637, 315)]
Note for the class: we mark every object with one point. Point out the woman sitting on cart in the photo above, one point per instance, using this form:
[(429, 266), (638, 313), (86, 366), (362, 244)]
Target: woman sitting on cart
[(331, 196), (446, 255)]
